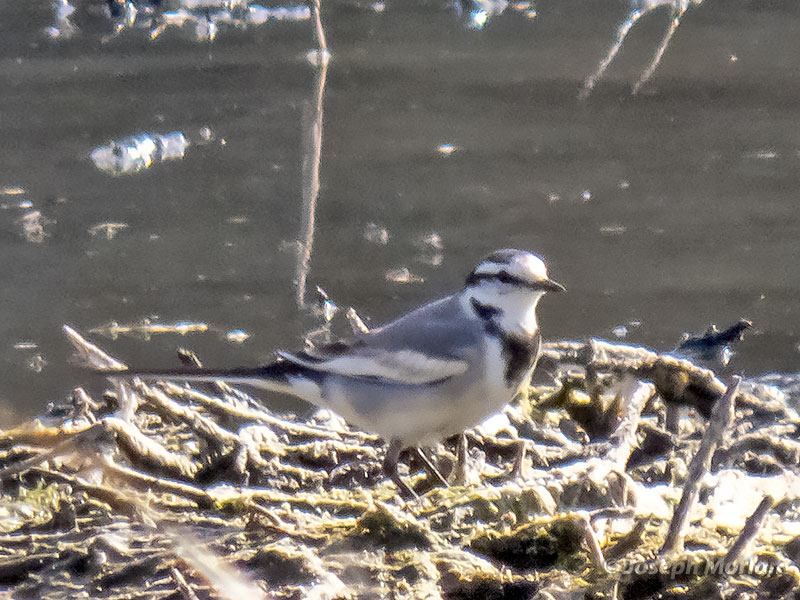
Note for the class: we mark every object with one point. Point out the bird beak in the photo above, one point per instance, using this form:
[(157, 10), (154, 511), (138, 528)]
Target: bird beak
[(552, 286)]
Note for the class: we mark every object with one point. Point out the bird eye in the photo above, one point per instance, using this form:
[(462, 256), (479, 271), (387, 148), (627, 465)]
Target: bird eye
[(504, 277)]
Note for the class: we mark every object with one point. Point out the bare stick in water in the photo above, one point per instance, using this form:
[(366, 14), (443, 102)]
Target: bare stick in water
[(651, 68), (91, 355), (312, 152), (639, 9), (622, 33)]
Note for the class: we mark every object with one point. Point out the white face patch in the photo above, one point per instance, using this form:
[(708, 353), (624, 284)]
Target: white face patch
[(515, 303), (517, 311)]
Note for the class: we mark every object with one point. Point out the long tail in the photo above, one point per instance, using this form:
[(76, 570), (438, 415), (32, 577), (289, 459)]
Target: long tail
[(280, 376)]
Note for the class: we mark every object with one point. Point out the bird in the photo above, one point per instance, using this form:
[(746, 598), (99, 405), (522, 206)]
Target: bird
[(714, 345), (425, 376)]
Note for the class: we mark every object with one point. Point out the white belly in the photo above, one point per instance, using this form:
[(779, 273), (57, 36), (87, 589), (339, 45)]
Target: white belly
[(423, 414)]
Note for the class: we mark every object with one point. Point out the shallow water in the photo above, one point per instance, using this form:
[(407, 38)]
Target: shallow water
[(675, 208)]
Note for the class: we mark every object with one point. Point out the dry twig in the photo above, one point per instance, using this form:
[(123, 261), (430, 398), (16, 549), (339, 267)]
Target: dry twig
[(720, 422), (750, 529)]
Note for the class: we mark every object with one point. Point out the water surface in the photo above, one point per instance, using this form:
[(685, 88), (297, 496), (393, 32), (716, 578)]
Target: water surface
[(672, 209)]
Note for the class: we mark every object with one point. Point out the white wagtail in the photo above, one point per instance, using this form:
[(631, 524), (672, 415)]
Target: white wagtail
[(430, 374)]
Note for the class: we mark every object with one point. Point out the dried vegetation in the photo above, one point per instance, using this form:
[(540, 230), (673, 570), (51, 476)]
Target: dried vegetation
[(162, 491)]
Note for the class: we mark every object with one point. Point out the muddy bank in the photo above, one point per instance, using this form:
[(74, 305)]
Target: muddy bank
[(163, 491)]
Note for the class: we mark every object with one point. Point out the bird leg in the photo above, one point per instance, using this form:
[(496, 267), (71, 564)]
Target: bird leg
[(390, 469), (465, 470), (430, 467), (519, 458)]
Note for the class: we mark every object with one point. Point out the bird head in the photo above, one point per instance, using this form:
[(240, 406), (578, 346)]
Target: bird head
[(510, 270), (511, 282)]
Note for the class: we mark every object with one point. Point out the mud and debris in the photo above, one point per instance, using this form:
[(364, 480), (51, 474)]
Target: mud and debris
[(169, 491)]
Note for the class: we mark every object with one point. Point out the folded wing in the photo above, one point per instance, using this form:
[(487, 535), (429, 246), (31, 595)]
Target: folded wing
[(399, 366)]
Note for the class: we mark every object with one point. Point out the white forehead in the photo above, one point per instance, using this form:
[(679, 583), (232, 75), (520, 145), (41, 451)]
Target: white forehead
[(515, 262)]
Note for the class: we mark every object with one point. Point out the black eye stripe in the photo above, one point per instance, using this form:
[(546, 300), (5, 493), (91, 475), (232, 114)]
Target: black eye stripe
[(503, 277)]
